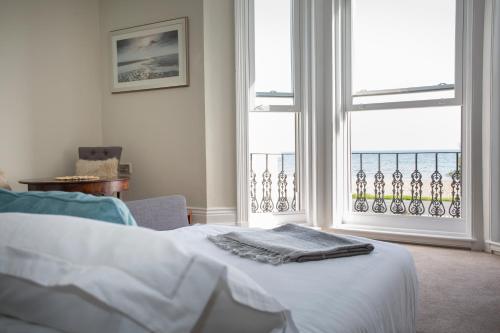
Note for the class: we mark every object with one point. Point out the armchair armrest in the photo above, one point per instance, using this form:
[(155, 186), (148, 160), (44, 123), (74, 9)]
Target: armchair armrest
[(162, 213)]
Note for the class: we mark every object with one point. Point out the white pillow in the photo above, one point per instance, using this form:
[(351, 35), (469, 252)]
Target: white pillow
[(11, 325), (78, 275), (224, 314)]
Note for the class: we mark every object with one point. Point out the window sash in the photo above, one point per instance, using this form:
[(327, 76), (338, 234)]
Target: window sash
[(347, 56), (295, 61)]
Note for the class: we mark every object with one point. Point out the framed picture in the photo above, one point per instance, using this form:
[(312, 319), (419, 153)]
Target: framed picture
[(150, 56)]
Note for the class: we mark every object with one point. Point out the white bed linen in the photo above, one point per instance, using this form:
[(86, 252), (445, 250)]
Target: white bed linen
[(84, 276), (11, 325), (368, 293)]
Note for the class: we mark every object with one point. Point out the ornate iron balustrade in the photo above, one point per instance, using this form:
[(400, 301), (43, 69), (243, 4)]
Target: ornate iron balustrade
[(401, 183), (270, 168), (416, 196)]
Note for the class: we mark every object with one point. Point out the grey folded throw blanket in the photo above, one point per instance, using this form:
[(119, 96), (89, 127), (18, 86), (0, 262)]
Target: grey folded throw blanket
[(289, 243)]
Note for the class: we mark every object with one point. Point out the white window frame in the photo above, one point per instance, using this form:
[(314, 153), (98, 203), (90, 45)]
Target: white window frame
[(323, 134), (295, 61), (458, 87), (344, 218), (245, 97)]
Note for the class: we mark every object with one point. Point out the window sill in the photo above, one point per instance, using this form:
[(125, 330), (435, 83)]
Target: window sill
[(271, 220), (405, 236)]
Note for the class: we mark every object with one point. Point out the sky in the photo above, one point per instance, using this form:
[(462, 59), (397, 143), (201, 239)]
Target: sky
[(396, 43), (144, 47), (402, 43), (272, 45)]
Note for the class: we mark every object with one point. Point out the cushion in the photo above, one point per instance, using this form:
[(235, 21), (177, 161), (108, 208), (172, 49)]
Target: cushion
[(103, 169), (3, 181), (77, 275), (106, 209)]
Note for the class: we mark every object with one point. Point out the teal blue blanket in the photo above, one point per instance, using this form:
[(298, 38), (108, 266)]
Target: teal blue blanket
[(106, 209)]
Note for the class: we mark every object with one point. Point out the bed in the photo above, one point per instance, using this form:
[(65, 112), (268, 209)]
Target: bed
[(367, 293)]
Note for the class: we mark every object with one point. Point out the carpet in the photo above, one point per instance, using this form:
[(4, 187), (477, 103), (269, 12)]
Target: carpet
[(459, 290)]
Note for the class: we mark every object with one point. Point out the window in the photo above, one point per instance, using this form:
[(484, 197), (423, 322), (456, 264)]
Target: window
[(274, 115), (273, 54), (403, 51), (403, 111)]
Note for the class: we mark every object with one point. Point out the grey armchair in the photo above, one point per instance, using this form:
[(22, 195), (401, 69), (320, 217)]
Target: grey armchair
[(162, 213)]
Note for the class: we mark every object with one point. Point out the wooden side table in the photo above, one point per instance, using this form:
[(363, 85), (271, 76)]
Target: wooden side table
[(96, 187)]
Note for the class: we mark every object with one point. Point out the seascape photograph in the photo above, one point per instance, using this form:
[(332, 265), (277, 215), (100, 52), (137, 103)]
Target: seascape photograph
[(148, 57)]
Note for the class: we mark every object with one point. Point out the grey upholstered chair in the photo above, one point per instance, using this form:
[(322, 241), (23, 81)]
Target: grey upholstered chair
[(99, 153), (162, 213)]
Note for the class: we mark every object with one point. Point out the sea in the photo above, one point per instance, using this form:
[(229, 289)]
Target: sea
[(150, 68), (407, 162), (427, 162)]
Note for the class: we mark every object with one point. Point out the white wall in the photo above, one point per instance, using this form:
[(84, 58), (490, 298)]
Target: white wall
[(49, 85), (220, 104), (55, 96), (161, 131), (491, 122), (495, 70)]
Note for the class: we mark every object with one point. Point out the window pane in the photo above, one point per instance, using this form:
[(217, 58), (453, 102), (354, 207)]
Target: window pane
[(273, 60), (411, 155), (402, 44), (272, 157)]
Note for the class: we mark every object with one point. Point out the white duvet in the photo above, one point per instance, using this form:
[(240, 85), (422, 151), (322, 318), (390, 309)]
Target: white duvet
[(368, 293)]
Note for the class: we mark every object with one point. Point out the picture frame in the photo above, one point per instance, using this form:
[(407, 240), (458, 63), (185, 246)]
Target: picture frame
[(150, 56)]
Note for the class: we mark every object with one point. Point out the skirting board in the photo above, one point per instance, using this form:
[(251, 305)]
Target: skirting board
[(215, 215), (493, 247)]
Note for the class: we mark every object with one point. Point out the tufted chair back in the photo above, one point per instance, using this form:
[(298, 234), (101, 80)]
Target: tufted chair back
[(99, 153)]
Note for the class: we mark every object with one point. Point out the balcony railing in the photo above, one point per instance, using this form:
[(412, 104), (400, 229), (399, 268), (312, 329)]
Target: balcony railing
[(272, 169), (432, 187), (399, 182)]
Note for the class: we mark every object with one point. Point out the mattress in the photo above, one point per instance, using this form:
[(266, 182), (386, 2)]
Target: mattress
[(367, 293)]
